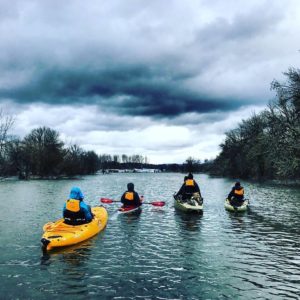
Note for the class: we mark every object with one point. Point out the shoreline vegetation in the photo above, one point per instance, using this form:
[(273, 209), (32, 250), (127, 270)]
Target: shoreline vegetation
[(265, 147)]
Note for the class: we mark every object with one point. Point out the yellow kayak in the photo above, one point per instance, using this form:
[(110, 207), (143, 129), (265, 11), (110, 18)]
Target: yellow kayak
[(59, 234)]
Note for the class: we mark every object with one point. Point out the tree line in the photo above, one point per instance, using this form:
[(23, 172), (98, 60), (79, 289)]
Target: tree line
[(267, 145), (42, 154)]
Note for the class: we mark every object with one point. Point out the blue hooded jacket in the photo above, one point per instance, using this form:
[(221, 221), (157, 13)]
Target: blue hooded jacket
[(78, 195)]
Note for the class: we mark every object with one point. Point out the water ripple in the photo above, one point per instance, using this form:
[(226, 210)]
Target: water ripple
[(159, 254)]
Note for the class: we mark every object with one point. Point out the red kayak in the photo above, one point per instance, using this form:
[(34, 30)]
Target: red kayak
[(129, 209)]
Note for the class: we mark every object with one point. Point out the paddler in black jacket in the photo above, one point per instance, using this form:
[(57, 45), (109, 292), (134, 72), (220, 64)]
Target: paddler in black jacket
[(131, 197), (236, 195), (188, 188)]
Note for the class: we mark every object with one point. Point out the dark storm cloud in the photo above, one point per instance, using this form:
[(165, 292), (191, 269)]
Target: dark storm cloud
[(139, 58), (132, 91)]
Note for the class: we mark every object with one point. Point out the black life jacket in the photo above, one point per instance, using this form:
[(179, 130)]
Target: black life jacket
[(130, 199), (73, 214), (189, 186)]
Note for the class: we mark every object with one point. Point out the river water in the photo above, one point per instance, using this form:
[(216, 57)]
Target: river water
[(159, 254)]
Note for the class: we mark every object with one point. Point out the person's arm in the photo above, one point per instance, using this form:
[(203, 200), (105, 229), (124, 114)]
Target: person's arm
[(181, 190), (230, 194), (137, 199), (87, 211), (123, 198), (64, 209), (197, 189)]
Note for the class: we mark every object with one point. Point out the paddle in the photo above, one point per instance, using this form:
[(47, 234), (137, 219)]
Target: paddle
[(154, 203)]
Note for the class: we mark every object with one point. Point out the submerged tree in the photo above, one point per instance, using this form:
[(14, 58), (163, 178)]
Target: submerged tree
[(72, 164), (6, 123), (191, 165), (44, 151)]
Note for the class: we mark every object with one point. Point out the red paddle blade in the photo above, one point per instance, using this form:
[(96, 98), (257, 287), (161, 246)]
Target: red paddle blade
[(158, 203), (106, 200)]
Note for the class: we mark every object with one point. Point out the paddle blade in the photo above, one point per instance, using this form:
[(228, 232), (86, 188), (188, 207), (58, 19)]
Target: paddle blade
[(106, 200), (158, 203)]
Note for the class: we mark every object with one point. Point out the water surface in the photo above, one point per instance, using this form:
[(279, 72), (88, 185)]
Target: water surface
[(159, 254)]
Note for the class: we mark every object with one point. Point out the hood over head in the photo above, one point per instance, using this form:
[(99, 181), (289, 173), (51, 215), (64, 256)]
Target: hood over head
[(130, 187), (76, 193), (237, 184), (190, 176)]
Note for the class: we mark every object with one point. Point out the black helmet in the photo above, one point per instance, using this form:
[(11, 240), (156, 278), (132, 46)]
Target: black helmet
[(190, 176), (237, 184)]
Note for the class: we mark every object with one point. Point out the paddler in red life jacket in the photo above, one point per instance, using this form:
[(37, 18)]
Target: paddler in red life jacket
[(188, 188), (131, 197), (236, 195), (76, 211)]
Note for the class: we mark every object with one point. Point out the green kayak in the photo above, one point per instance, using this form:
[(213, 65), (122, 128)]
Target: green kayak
[(241, 208), (190, 205)]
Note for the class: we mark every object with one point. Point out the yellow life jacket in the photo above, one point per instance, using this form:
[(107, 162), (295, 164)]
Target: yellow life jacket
[(129, 196), (239, 192), (189, 182), (73, 205)]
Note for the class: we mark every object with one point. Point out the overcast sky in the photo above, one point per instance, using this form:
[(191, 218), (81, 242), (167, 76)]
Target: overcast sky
[(164, 79)]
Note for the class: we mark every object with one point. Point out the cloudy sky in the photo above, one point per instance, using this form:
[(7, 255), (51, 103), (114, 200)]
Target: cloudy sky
[(165, 79)]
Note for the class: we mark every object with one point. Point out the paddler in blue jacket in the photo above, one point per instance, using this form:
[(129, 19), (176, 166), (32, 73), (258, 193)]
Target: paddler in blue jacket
[(236, 195), (131, 197), (76, 211)]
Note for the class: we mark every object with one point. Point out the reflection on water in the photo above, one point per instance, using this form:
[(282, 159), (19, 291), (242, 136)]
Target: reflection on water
[(188, 221), (76, 252), (158, 254)]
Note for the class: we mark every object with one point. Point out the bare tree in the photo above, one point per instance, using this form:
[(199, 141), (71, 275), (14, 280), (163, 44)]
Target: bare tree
[(6, 122)]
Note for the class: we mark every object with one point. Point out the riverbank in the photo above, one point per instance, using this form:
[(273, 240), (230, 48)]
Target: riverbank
[(276, 182), (10, 178)]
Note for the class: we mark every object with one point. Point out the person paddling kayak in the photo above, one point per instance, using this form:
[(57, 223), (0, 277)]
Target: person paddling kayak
[(236, 195), (76, 211), (188, 188), (131, 197)]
